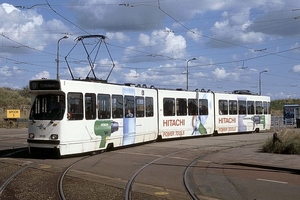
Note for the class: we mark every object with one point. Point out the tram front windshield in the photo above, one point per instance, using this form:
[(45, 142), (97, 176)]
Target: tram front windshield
[(48, 107)]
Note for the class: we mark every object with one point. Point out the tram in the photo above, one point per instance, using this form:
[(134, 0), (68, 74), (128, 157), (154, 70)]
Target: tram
[(77, 116), (85, 115)]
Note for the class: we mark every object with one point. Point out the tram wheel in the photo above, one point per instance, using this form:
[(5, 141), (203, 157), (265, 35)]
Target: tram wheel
[(215, 133), (110, 147)]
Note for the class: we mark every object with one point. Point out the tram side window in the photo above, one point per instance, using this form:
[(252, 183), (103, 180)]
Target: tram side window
[(259, 108), (117, 106), (181, 107), (139, 106), (149, 107), (250, 106), (266, 107), (169, 106), (203, 107), (75, 106), (90, 106), (103, 106), (232, 107), (129, 106), (192, 106), (223, 107), (242, 107)]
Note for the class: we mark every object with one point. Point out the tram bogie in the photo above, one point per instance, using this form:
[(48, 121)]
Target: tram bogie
[(75, 116)]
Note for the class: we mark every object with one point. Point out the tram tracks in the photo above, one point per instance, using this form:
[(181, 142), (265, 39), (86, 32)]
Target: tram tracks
[(62, 176), (130, 182), (14, 151), (179, 160), (3, 186), (186, 182), (49, 179), (38, 172), (191, 189)]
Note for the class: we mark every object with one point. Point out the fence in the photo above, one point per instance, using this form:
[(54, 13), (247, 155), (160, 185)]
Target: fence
[(278, 122)]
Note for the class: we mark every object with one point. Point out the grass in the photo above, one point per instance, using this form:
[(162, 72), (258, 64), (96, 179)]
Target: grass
[(288, 142), (18, 99)]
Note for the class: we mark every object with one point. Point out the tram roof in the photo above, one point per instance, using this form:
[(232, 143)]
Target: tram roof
[(90, 36)]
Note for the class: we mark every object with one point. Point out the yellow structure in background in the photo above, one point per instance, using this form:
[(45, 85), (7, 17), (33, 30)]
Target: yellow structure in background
[(13, 114)]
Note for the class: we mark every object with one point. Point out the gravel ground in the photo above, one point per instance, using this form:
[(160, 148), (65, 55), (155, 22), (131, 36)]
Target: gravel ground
[(37, 184)]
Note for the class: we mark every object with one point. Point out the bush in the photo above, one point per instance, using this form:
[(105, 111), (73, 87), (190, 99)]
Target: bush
[(14, 99), (288, 143)]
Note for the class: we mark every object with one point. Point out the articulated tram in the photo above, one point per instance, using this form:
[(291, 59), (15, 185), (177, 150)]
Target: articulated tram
[(76, 116)]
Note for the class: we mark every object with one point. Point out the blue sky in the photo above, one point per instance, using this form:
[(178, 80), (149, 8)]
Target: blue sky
[(150, 43)]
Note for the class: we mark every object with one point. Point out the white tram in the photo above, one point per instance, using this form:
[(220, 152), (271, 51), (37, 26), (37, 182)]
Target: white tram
[(75, 116)]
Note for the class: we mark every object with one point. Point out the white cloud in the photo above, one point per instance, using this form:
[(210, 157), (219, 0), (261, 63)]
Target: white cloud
[(195, 35), (42, 75), (13, 77), (9, 8), (296, 47), (280, 23), (160, 45), (232, 30), (114, 17), (104, 67), (220, 73), (174, 45), (236, 27), (101, 70), (204, 62), (26, 28), (17, 70), (118, 36), (131, 76), (5, 71), (199, 75), (165, 42), (142, 46), (82, 72), (296, 69)]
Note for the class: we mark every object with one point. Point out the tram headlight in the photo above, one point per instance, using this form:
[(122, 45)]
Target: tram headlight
[(54, 136), (31, 135)]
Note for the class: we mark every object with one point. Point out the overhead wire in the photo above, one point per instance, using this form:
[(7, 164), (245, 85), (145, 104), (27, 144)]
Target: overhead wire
[(66, 18), (168, 57), (157, 55), (26, 46), (277, 53)]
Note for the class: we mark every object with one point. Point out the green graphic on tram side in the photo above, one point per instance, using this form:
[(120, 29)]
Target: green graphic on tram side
[(198, 126), (260, 119), (202, 129), (105, 128)]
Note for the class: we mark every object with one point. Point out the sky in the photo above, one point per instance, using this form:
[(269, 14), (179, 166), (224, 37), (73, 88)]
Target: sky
[(224, 45)]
